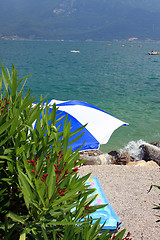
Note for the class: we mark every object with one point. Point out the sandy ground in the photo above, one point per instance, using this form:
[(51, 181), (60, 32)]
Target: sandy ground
[(126, 188)]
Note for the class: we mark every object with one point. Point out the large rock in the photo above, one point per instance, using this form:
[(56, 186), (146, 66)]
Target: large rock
[(91, 152), (157, 144), (150, 152), (143, 163), (95, 157), (119, 159)]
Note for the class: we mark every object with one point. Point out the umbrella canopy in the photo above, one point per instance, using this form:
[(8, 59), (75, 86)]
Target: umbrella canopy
[(100, 124)]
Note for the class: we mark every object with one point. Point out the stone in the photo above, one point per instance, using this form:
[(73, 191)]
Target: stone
[(143, 163), (91, 152), (137, 163), (157, 144), (150, 152), (95, 158), (114, 154), (125, 157), (152, 164), (120, 159)]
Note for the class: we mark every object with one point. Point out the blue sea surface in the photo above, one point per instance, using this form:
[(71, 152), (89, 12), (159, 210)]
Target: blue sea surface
[(124, 81)]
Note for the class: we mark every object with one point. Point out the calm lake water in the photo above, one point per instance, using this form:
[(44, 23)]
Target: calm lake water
[(123, 81)]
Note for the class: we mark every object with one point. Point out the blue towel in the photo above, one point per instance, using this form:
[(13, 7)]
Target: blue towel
[(107, 213)]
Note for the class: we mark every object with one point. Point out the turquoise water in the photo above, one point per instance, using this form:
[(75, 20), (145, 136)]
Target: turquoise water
[(123, 81)]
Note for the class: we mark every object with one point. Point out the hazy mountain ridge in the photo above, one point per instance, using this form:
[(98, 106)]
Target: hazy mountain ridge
[(80, 20)]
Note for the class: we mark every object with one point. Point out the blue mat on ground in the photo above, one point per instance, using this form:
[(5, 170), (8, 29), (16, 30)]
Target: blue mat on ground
[(107, 213)]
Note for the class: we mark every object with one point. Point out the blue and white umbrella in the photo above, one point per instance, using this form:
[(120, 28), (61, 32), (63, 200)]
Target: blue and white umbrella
[(100, 124)]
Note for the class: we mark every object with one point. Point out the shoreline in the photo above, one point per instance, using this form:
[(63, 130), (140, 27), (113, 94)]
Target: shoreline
[(126, 188)]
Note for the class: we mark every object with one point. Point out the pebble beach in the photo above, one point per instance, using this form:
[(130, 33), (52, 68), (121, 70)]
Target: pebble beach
[(126, 188)]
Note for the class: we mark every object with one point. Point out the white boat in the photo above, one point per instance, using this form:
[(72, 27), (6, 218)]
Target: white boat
[(75, 51), (154, 53)]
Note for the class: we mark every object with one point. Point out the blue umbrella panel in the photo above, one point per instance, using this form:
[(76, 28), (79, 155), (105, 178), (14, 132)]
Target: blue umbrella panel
[(87, 139)]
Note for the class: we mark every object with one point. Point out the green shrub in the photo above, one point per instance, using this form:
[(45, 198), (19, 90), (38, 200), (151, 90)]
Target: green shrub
[(157, 206), (41, 193)]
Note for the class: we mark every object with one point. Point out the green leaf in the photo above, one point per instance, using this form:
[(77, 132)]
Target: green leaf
[(94, 228), (68, 154), (9, 158), (53, 114), (27, 167), (51, 180), (14, 83), (66, 132), (5, 78), (25, 105), (35, 113), (23, 79), (2, 191), (90, 199), (120, 235), (23, 236), (62, 223), (19, 150), (16, 217), (41, 189), (9, 76), (0, 83), (5, 125), (78, 130), (36, 205), (156, 186), (44, 232), (69, 195), (25, 184), (55, 211), (9, 235), (76, 139)]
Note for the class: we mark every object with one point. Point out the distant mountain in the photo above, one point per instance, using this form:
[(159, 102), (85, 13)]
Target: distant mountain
[(80, 19)]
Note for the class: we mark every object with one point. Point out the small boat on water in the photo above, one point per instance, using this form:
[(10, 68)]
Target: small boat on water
[(153, 53), (75, 51)]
